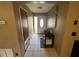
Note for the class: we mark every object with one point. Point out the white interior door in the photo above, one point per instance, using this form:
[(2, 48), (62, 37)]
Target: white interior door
[(41, 23)]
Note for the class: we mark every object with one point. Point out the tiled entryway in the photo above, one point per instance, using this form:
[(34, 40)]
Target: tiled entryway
[(34, 49)]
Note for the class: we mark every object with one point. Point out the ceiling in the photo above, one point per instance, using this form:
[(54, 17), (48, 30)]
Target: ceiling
[(39, 8)]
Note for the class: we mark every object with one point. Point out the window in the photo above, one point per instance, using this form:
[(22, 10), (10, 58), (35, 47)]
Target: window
[(51, 23)]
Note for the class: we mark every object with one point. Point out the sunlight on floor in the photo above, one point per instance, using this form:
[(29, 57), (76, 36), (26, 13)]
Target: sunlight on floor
[(34, 49)]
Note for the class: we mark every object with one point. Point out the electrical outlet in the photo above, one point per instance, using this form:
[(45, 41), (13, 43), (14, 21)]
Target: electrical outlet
[(73, 33), (2, 22), (16, 54)]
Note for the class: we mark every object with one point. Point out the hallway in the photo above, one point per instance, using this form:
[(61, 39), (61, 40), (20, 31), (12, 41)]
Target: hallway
[(34, 49), (19, 20)]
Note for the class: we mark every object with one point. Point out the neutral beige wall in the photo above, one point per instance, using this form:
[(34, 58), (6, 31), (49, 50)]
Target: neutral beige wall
[(8, 33), (60, 26), (68, 39)]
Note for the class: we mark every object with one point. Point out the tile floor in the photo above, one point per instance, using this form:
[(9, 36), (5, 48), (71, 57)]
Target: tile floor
[(34, 49)]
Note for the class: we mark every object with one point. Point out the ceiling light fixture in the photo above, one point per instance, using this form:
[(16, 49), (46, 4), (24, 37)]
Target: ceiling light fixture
[(40, 7)]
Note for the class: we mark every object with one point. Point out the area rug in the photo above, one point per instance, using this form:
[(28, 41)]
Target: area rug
[(42, 43)]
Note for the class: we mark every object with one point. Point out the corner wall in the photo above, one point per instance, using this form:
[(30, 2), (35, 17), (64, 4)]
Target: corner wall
[(60, 26), (68, 12)]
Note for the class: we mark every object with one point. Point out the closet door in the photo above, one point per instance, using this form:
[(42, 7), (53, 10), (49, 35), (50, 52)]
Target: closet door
[(24, 24)]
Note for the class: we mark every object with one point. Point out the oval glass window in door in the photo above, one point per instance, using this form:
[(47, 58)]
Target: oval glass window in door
[(41, 23)]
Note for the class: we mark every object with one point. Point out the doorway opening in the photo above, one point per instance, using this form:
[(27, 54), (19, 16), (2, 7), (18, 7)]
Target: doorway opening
[(35, 24)]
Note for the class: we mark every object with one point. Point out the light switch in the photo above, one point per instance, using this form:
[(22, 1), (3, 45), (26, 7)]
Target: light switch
[(73, 33), (2, 22), (75, 22)]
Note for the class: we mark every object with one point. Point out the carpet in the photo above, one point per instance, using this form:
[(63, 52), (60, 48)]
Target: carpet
[(42, 43)]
